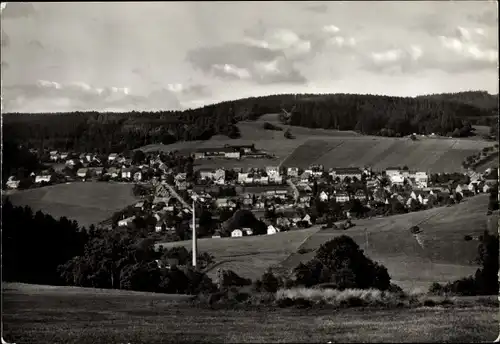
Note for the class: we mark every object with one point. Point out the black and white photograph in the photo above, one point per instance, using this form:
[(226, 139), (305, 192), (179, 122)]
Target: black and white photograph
[(249, 172)]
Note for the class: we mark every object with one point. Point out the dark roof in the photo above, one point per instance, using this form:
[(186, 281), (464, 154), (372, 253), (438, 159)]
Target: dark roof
[(349, 170), (216, 150)]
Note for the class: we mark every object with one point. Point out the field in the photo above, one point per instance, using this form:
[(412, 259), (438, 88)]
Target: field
[(39, 314), (442, 254), (86, 202), (445, 255), (249, 256), (333, 148)]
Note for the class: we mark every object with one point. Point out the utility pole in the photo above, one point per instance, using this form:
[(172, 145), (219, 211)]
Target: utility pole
[(195, 253)]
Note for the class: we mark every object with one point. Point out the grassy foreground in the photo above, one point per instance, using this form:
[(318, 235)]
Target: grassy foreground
[(40, 314)]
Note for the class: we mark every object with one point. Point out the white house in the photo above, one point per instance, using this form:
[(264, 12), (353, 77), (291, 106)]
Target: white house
[(219, 176), (247, 231), (54, 155), (421, 179), (112, 157), (12, 183), (83, 172), (272, 171), (126, 173), (206, 174), (392, 171), (126, 222), (237, 233), (342, 197), (272, 230), (397, 179), (323, 196), (64, 155), (43, 178), (292, 172)]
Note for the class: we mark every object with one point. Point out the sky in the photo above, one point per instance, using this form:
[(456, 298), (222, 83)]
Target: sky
[(149, 56)]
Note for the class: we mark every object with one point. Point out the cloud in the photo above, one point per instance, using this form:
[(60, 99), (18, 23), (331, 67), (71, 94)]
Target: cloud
[(17, 10), (472, 48), (395, 60), (487, 17), (192, 90), (48, 96), (330, 29), (246, 61)]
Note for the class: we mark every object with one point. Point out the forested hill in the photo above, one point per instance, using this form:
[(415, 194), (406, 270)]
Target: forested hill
[(367, 114), (480, 99)]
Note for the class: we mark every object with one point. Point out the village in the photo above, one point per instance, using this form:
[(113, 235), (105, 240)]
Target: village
[(283, 198)]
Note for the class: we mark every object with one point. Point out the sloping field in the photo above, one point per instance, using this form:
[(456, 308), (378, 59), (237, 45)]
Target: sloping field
[(439, 255), (76, 315), (86, 202), (249, 256), (433, 155)]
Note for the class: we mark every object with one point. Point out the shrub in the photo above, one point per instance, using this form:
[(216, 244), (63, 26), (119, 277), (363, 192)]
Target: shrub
[(269, 126), (429, 303), (467, 238), (304, 250), (435, 288), (270, 282), (230, 279)]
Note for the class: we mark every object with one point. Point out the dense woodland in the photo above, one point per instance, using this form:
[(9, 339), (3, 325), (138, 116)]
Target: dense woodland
[(367, 114)]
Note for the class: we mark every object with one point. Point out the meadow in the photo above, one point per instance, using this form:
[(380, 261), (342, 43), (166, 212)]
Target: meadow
[(443, 256), (439, 255), (86, 202), (40, 314), (333, 148)]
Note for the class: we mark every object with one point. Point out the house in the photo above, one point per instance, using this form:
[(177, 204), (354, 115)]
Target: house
[(112, 157), (263, 180), (43, 177), (272, 230), (89, 157), (272, 171), (216, 235), (277, 179), (113, 172), (486, 188), (126, 222), (139, 205), (64, 155), (127, 173), (360, 195), (138, 176), (232, 154), (292, 172), (206, 173), (397, 180), (12, 183), (219, 176), (323, 196), (307, 219), (341, 197), (342, 173), (54, 155), (392, 171), (304, 178), (459, 190), (236, 233), (244, 148), (222, 202), (247, 231), (242, 177), (421, 179), (96, 171), (83, 173), (71, 162)]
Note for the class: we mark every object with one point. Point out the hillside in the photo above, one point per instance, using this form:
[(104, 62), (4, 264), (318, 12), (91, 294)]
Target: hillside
[(445, 255), (333, 148), (86, 202), (41, 314), (366, 114)]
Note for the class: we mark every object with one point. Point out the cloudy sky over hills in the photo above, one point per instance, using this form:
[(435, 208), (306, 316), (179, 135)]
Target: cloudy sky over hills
[(175, 55)]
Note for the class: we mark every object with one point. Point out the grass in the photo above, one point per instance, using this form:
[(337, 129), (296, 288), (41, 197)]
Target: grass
[(42, 315), (250, 256), (86, 202), (445, 255), (333, 148)]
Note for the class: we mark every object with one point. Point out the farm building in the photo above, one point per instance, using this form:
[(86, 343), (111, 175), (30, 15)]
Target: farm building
[(342, 173), (44, 177), (127, 173), (227, 152), (342, 197), (126, 222), (112, 157), (237, 233), (242, 148)]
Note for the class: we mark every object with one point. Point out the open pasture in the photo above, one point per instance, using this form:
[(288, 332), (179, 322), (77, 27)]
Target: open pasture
[(86, 202), (249, 256), (40, 314), (442, 254), (427, 154)]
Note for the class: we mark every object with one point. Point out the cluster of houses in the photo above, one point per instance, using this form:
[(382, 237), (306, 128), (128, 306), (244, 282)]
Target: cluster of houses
[(230, 152)]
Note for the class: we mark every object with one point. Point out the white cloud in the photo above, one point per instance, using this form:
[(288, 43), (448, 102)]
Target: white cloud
[(176, 88), (229, 69), (469, 50), (416, 52), (49, 84), (392, 55), (282, 39), (331, 29)]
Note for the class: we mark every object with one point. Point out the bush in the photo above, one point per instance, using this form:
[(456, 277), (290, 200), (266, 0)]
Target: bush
[(270, 282), (269, 126), (304, 250), (231, 279)]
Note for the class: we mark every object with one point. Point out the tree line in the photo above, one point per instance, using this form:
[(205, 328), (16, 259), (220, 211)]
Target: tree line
[(368, 114)]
